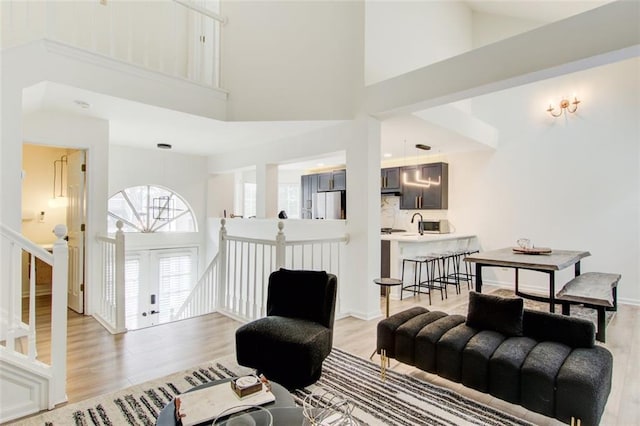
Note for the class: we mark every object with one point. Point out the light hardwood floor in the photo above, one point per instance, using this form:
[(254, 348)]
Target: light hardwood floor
[(99, 362)]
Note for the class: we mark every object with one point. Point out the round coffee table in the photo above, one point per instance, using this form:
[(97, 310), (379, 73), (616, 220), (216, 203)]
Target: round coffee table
[(283, 401)]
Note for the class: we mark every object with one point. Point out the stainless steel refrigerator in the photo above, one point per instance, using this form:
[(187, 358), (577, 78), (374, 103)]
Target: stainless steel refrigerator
[(327, 205)]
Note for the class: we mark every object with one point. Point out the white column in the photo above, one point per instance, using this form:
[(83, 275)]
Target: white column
[(359, 295), (266, 190)]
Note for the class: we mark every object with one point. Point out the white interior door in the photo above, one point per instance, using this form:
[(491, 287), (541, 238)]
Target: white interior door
[(75, 223)]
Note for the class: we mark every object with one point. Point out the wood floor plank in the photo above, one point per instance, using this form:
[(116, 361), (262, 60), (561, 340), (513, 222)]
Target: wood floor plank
[(99, 362)]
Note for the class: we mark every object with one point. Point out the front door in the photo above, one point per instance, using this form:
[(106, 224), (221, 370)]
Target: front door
[(157, 283), (76, 212)]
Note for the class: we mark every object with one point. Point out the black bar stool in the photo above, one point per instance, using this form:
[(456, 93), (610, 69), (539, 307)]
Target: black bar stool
[(420, 286)]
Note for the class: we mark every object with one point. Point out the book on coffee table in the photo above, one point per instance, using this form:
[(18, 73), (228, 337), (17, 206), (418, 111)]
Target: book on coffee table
[(206, 404)]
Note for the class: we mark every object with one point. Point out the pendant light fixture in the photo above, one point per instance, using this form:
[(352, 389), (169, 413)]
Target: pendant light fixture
[(418, 181), (59, 198)]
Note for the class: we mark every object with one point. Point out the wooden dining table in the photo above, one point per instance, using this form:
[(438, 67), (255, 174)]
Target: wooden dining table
[(548, 263)]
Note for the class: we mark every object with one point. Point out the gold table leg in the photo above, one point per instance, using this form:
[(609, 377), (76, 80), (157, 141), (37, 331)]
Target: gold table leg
[(383, 364), (386, 295)]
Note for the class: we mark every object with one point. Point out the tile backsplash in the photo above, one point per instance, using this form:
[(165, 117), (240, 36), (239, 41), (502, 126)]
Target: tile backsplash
[(392, 217)]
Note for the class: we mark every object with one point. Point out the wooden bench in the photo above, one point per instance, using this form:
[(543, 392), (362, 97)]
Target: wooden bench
[(594, 290)]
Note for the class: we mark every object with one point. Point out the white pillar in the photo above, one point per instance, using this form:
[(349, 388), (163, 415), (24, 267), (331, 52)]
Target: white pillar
[(361, 297), (266, 190)]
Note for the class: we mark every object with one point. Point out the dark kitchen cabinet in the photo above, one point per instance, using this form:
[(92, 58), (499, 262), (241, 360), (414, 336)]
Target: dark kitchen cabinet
[(416, 195), (309, 186), (339, 180), (390, 180), (332, 181)]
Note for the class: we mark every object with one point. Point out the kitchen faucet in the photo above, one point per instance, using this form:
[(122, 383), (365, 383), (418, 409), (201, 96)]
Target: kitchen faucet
[(420, 230)]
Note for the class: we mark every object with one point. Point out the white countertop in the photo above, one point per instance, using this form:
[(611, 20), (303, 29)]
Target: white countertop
[(414, 237)]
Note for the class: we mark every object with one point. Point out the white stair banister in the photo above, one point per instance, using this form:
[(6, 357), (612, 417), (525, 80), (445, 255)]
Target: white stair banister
[(59, 317), (281, 241), (222, 264), (120, 283)]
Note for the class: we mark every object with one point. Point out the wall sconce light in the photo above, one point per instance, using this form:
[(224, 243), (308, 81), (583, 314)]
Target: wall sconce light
[(59, 197), (565, 105)]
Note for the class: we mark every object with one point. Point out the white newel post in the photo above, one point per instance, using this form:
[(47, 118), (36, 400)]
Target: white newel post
[(222, 265), (119, 277), (280, 246), (60, 284)]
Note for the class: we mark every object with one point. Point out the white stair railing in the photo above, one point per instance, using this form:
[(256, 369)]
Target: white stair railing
[(110, 309), (46, 382), (203, 298), (235, 283)]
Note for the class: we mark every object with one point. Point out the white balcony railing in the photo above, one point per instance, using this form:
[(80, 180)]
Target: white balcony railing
[(235, 283), (175, 37)]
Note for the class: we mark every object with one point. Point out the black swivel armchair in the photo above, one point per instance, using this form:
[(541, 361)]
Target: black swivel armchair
[(289, 345)]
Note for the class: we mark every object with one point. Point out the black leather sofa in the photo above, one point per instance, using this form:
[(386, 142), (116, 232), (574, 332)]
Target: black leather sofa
[(548, 363)]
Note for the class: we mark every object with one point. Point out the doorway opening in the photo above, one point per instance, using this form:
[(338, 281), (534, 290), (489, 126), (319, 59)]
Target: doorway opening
[(53, 193)]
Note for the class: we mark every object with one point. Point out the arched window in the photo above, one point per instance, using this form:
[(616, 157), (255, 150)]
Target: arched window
[(149, 208)]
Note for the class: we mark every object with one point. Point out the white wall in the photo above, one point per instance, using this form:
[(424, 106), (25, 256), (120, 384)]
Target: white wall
[(220, 194), (489, 28), (292, 60), (567, 183), (405, 35)]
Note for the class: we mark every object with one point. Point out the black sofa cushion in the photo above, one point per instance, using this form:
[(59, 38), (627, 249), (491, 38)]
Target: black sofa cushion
[(574, 387), (476, 356), (425, 345), (501, 314), (571, 331), (449, 351), (387, 329), (504, 367), (538, 376), (406, 334)]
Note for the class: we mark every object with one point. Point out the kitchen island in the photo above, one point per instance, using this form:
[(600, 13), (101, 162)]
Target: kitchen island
[(402, 245)]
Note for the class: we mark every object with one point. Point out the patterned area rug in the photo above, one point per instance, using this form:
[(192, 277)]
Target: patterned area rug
[(399, 400)]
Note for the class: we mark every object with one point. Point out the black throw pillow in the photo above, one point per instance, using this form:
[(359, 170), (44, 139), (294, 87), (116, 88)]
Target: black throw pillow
[(501, 314)]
